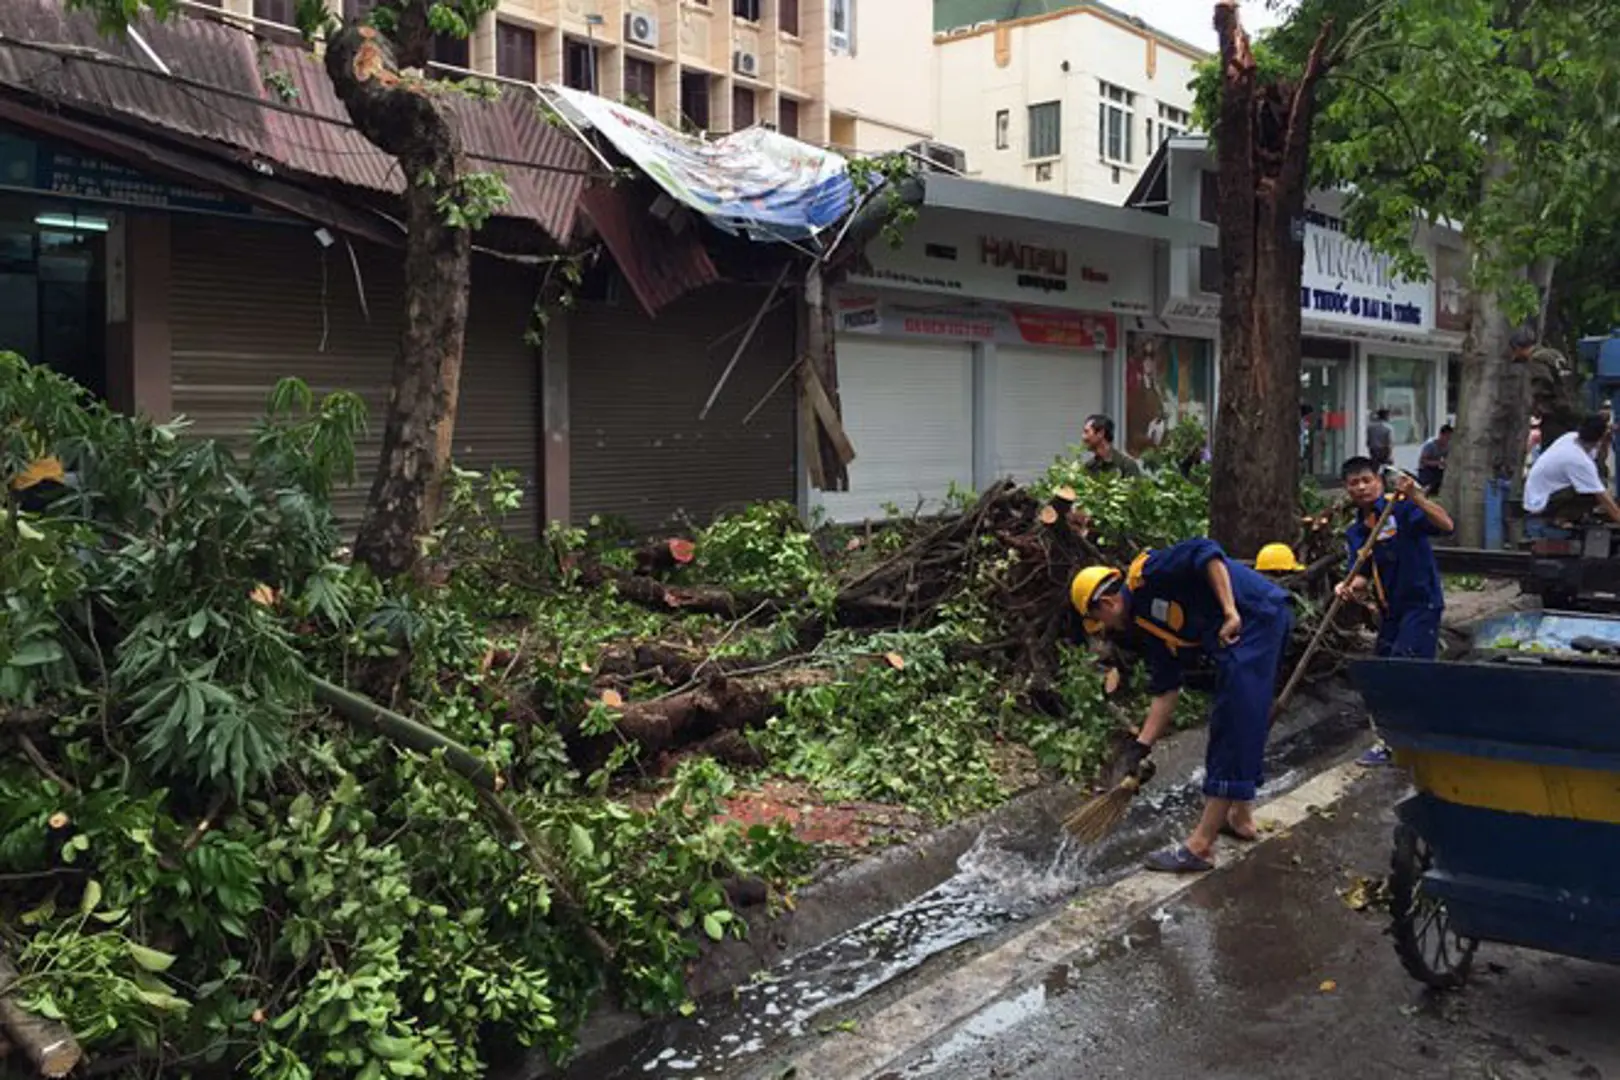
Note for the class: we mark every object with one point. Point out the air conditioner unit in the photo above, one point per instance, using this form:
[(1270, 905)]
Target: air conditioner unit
[(641, 29), (838, 41), (946, 158), (745, 63)]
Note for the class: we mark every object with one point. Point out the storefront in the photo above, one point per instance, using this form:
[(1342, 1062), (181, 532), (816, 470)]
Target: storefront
[(977, 348)]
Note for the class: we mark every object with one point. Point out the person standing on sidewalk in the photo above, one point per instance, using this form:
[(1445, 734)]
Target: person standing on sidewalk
[(1098, 436), (1174, 606), (1553, 386), (1381, 440), (1432, 461), (1402, 575)]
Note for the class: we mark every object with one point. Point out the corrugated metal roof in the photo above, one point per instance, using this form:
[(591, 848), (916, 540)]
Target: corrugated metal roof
[(660, 265), (218, 94)]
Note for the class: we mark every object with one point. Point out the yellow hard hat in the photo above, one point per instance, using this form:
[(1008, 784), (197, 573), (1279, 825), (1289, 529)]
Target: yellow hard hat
[(1084, 589), (44, 470), (1276, 558)]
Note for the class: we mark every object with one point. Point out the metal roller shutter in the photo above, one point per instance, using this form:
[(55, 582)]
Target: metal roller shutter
[(908, 408), (1043, 397), (253, 304), (636, 385)]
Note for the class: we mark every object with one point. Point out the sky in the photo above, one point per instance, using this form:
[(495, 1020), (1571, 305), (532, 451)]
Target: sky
[(1193, 21)]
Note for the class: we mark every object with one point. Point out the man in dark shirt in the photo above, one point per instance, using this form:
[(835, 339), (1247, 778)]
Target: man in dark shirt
[(1381, 439), (1553, 386), (1432, 461), (1098, 436)]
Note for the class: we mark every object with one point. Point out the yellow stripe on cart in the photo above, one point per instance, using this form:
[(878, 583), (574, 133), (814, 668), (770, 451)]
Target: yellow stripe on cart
[(1516, 787)]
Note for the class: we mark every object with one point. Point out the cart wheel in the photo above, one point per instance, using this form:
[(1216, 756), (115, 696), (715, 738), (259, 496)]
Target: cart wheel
[(1430, 950)]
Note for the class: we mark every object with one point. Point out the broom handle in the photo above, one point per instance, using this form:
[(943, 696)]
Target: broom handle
[(1333, 609)]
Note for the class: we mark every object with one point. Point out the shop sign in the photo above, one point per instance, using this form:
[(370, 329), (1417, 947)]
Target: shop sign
[(1347, 282), (1005, 324), (1182, 307), (55, 168)]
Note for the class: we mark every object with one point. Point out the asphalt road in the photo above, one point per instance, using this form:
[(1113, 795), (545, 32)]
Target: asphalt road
[(1262, 970)]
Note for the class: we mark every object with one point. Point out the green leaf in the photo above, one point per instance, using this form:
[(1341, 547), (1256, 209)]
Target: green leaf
[(584, 846), (150, 959), (162, 999), (714, 926), (198, 623), (91, 898), (35, 653)]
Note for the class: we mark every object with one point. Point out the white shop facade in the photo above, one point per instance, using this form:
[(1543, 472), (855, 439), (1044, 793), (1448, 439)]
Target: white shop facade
[(976, 349), (1371, 338)]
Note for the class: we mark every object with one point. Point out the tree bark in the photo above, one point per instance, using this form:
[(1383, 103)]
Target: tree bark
[(406, 116), (1262, 141), (1493, 404)]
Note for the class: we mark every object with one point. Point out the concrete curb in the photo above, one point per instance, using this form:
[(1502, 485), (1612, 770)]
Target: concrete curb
[(936, 1007)]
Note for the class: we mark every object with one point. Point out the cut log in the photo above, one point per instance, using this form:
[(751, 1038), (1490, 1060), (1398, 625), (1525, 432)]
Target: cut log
[(48, 1044), (698, 599), (692, 716)]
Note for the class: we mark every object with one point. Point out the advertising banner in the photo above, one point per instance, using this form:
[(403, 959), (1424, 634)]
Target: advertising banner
[(1004, 324)]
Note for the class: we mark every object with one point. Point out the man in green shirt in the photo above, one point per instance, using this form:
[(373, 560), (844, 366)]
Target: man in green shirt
[(1098, 436), (1553, 386)]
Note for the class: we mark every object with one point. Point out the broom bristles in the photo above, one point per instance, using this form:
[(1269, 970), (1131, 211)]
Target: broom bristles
[(1102, 815)]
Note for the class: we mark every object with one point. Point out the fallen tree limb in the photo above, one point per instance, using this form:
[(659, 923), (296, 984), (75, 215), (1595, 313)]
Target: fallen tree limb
[(49, 1044), (407, 732)]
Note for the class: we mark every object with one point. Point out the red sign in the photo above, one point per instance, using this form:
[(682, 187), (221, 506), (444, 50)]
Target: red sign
[(1008, 324)]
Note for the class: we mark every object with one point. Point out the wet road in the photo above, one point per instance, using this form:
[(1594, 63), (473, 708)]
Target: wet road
[(1262, 970)]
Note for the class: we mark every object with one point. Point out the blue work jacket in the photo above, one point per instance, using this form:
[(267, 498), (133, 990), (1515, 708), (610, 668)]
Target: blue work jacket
[(1403, 572), (1175, 615)]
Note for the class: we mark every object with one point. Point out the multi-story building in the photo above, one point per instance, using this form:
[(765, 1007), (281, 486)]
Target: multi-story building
[(1073, 100), (845, 73)]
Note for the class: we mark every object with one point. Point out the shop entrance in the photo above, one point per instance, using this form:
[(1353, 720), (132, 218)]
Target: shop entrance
[(1326, 375), (53, 292)]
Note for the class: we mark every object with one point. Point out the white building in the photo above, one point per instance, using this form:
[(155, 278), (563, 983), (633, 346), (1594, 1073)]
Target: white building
[(1073, 101), (976, 349), (1371, 338)]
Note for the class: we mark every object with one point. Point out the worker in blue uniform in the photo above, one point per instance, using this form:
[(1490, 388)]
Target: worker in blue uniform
[(1402, 577), (1174, 606)]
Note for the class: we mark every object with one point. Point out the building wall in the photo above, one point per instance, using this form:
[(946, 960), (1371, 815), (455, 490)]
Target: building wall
[(874, 90), (882, 82), (1063, 58)]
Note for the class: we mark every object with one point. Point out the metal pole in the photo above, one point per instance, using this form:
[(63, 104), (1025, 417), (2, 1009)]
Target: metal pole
[(753, 328)]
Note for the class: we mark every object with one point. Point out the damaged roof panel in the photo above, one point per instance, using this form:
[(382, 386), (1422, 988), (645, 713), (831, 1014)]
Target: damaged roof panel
[(660, 265), (220, 93)]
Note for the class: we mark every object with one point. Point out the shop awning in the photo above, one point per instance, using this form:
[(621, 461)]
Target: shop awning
[(978, 197)]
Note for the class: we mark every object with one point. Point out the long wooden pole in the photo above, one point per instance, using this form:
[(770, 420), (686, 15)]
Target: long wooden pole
[(1333, 609)]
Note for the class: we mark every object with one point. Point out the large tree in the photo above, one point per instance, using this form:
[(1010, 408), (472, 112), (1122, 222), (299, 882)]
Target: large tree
[(1501, 117), (378, 67)]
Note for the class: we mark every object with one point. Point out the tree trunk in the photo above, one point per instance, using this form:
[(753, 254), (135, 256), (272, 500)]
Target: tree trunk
[(1262, 139), (1493, 403), (405, 115)]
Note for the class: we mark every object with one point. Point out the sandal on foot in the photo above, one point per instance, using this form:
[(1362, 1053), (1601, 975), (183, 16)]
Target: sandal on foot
[(1178, 860), (1249, 838)]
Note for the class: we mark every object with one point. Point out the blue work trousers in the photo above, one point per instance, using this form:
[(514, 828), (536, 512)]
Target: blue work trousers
[(1245, 680), (1412, 632)]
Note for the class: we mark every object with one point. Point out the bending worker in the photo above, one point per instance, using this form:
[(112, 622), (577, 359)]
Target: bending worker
[(1174, 606)]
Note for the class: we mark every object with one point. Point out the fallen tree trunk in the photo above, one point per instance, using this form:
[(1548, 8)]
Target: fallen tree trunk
[(698, 599), (47, 1043), (692, 716)]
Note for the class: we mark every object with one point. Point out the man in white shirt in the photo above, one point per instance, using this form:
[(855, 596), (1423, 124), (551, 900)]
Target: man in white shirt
[(1564, 484)]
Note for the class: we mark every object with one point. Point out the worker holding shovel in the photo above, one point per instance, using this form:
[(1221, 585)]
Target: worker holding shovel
[(1402, 576), (1173, 606)]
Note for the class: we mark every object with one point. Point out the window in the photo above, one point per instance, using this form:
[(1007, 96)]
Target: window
[(746, 9), (1115, 118), (514, 52), (695, 100), (787, 17), (641, 84), (1046, 129), (1404, 388), (579, 65), (452, 51), (742, 108), (1172, 122), (1003, 129), (841, 26), (276, 11), (787, 117)]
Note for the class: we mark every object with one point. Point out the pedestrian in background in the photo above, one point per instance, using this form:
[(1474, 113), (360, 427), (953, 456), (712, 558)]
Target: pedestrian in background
[(1554, 386), (1432, 461), (1381, 440), (1098, 436)]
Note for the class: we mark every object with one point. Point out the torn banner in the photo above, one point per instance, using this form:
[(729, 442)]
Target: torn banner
[(755, 182)]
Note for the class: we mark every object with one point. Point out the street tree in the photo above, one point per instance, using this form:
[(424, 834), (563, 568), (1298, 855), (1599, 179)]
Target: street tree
[(1501, 117), (378, 66)]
